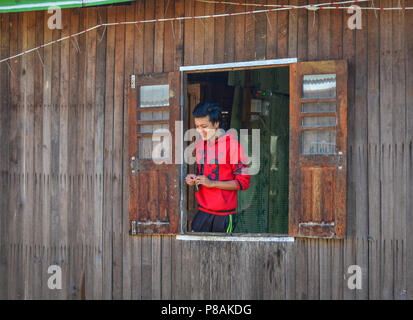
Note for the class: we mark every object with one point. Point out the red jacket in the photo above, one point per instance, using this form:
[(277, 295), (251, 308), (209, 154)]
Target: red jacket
[(223, 160)]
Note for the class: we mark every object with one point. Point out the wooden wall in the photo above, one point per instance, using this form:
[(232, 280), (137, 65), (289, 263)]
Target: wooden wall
[(63, 155)]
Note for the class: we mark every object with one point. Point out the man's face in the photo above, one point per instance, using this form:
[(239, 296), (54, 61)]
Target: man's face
[(205, 127)]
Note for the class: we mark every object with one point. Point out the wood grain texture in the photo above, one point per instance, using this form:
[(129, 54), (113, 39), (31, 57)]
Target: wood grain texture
[(64, 155)]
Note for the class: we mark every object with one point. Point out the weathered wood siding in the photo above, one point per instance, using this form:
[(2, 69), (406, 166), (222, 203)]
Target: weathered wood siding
[(64, 165)]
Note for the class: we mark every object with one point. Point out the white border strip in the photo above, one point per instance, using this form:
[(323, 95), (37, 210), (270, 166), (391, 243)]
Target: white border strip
[(239, 64), (54, 4), (234, 238)]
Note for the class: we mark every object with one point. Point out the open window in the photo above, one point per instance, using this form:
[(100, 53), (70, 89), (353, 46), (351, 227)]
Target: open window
[(253, 99), (300, 110)]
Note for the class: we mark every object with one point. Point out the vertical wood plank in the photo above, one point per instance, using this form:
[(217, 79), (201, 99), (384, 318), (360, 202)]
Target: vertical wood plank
[(236, 266), (282, 33), (15, 48), (313, 30), (146, 268), (136, 268), (189, 42), (293, 29), (196, 265), (214, 275), (290, 271), (374, 269), (118, 153), (204, 270), (325, 269), (72, 129), (148, 58), (108, 157), (240, 33), (169, 37), (127, 271), (186, 273), (129, 55), (272, 25), (349, 258), (249, 38), (247, 267), (399, 123), (360, 135), (229, 51), (99, 120), (336, 32), (260, 33), (64, 130), (374, 151), (313, 261), (159, 37), (259, 271), (199, 33), (226, 270), (337, 282), (179, 32), (209, 28), (273, 271), (81, 136), (156, 268), (362, 257), (302, 32), (349, 55), (176, 269), (386, 120), (324, 33), (387, 265), (218, 40), (301, 266), (400, 291), (409, 147), (166, 265), (361, 157), (387, 148), (5, 101), (129, 66), (138, 51), (3, 243)]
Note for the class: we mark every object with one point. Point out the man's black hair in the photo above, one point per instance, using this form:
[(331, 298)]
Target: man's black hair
[(211, 109)]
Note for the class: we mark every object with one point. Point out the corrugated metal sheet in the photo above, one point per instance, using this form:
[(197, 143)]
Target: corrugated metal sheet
[(31, 5)]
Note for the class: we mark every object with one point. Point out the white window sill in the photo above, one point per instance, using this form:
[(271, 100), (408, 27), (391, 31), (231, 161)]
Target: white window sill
[(240, 237)]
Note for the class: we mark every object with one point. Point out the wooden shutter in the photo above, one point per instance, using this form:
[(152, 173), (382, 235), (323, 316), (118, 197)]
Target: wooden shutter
[(318, 149), (154, 188)]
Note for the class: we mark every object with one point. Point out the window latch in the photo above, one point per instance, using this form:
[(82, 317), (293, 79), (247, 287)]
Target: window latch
[(134, 165), (133, 231), (340, 160)]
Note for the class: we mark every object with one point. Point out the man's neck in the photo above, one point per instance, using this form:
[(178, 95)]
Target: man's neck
[(218, 133)]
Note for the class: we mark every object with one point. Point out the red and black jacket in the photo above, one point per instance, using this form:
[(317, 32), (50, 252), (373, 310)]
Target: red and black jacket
[(221, 160)]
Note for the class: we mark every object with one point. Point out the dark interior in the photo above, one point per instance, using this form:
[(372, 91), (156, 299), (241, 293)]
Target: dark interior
[(252, 99)]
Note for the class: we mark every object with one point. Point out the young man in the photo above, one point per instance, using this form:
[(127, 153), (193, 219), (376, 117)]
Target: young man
[(221, 171)]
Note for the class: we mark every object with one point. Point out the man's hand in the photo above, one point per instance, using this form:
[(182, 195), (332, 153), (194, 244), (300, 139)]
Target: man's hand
[(204, 181), (190, 179)]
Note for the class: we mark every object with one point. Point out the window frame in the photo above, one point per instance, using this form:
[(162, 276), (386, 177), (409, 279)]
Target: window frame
[(211, 236)]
